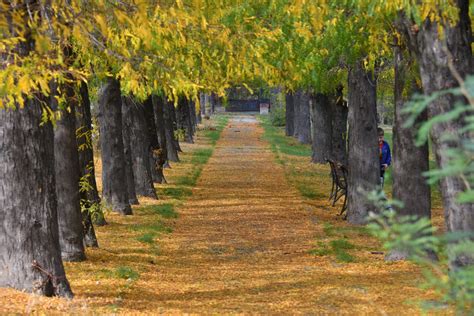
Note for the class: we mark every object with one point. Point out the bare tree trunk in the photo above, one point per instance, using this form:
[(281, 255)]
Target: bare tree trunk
[(154, 152), (127, 153), (114, 178), (364, 173), (66, 165), (290, 114), (322, 128), (169, 132), (158, 108), (90, 198), (409, 160), (29, 232), (140, 147), (296, 109), (184, 120), (339, 127), (174, 123)]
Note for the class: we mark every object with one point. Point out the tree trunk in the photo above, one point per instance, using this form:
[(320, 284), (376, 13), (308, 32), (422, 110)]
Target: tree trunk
[(90, 199), (199, 111), (290, 114), (435, 76), (363, 165), (192, 115), (339, 127), (174, 122), (296, 109), (169, 132), (140, 146), (156, 166), (304, 117), (29, 232), (158, 108), (322, 128), (184, 122), (114, 178), (66, 166), (409, 160), (127, 152)]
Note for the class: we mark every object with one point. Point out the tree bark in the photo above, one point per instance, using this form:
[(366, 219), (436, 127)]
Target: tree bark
[(156, 165), (169, 132), (363, 163), (339, 127), (433, 59), (296, 109), (140, 147), (90, 200), (158, 108), (192, 115), (290, 114), (409, 160), (304, 134), (29, 232), (66, 166), (114, 178), (127, 152), (322, 128), (174, 122), (184, 122)]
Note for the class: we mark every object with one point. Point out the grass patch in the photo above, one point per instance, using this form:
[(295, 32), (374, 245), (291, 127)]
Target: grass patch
[(201, 156), (124, 272), (286, 145), (156, 227), (336, 247), (147, 238), (189, 179), (322, 250), (344, 256), (339, 244), (328, 229), (165, 210), (177, 193)]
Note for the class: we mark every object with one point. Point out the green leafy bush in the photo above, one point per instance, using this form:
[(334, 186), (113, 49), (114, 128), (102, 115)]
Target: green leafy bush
[(277, 116)]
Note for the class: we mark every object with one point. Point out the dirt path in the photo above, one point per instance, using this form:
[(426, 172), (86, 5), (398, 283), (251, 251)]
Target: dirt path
[(241, 241)]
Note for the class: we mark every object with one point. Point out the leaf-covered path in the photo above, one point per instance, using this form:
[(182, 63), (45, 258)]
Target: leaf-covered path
[(242, 245), (241, 242)]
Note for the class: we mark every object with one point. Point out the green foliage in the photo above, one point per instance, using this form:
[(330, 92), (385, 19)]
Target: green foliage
[(416, 238), (278, 116), (124, 272)]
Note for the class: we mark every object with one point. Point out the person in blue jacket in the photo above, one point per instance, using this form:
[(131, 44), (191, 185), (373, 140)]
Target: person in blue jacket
[(384, 155)]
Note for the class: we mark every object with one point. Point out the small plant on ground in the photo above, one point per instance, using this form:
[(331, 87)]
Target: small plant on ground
[(124, 272), (148, 238)]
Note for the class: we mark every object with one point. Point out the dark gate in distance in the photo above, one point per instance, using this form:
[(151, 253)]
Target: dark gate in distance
[(239, 105)]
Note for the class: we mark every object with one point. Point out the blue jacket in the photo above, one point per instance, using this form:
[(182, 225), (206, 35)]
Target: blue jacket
[(385, 155)]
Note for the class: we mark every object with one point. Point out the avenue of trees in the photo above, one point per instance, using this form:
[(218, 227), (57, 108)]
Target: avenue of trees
[(158, 66)]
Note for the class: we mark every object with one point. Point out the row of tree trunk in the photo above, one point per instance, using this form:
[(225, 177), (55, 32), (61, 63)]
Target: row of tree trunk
[(435, 56), (320, 120), (54, 169)]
